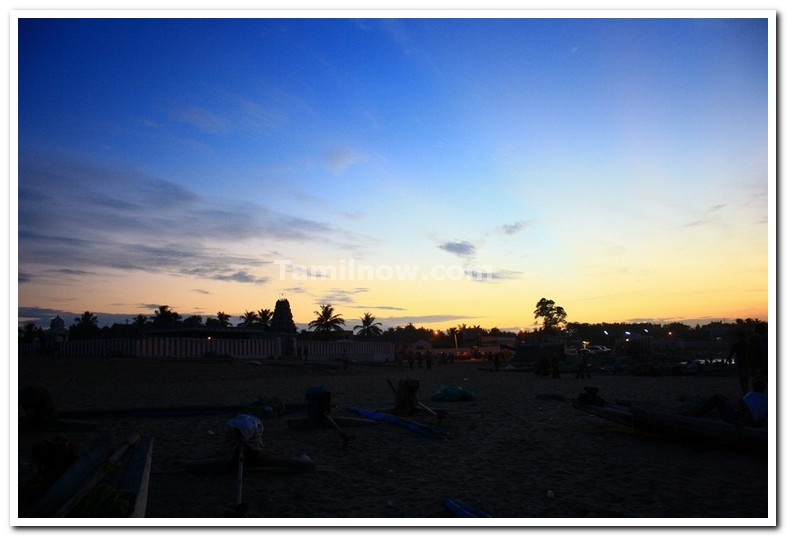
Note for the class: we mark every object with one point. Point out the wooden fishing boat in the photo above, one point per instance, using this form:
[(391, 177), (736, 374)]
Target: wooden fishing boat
[(652, 418), (110, 480)]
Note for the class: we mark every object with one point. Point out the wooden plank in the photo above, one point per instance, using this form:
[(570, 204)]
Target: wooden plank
[(63, 489), (97, 475)]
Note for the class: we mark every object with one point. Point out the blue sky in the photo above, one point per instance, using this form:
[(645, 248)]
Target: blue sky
[(616, 166)]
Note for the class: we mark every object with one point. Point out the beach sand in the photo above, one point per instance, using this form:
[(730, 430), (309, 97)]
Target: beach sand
[(519, 450)]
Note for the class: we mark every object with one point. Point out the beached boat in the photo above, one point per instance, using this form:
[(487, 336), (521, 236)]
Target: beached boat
[(110, 480), (462, 510), (414, 426), (304, 422), (651, 418)]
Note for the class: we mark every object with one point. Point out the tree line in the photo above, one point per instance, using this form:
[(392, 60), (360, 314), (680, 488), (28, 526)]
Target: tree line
[(328, 324)]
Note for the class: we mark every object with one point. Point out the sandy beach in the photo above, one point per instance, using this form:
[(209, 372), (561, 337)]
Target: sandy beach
[(519, 450)]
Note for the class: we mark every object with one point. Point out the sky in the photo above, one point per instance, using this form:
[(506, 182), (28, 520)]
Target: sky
[(439, 171)]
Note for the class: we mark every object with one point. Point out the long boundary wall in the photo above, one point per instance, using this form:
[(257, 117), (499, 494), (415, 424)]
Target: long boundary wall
[(257, 349), (367, 351), (174, 347)]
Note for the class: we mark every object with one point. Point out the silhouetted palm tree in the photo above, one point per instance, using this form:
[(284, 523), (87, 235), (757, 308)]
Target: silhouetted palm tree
[(248, 319), (86, 327), (193, 321), (224, 319), (368, 326), (30, 332), (87, 320), (326, 320), (164, 317), (264, 318), (139, 323)]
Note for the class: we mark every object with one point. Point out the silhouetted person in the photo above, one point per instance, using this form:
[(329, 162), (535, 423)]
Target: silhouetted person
[(739, 350), (555, 360), (582, 365), (757, 354)]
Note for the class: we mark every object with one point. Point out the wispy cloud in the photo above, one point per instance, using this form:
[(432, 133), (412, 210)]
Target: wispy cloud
[(429, 318), (295, 290), (203, 120), (408, 41), (491, 276), (259, 116), (355, 215), (240, 276), (385, 308), (79, 217), (711, 216), (516, 227), (463, 249), (341, 296), (339, 159)]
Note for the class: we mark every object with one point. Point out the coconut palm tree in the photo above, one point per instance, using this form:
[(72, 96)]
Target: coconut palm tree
[(86, 327), (193, 321), (138, 324), (264, 317), (224, 319), (327, 321), (140, 321), (368, 326), (248, 319), (164, 317)]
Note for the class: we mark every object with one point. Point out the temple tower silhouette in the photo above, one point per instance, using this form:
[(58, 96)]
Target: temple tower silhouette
[(281, 321)]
